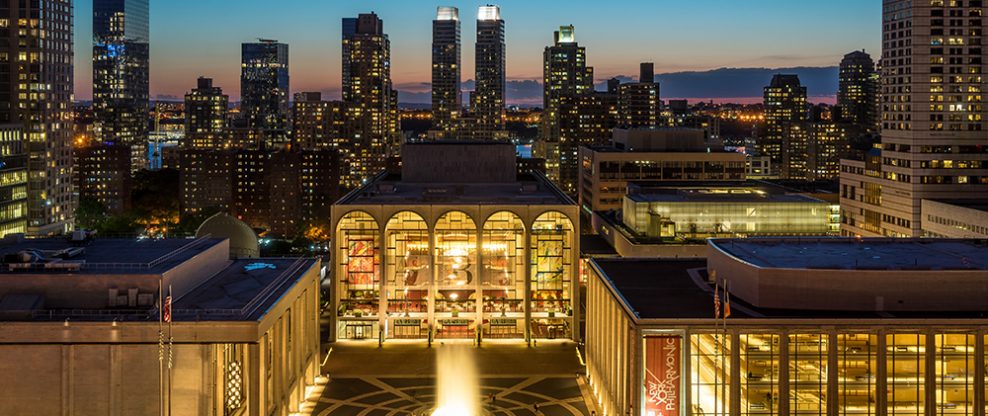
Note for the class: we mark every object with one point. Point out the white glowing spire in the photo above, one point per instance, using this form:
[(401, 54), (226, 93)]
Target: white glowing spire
[(447, 13), (489, 12)]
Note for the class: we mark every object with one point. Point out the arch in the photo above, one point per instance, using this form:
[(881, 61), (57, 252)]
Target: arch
[(552, 274), (503, 273), (456, 260), (357, 220), (407, 269), (358, 265)]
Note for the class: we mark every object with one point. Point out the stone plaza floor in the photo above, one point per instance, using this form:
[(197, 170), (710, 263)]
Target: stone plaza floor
[(398, 379)]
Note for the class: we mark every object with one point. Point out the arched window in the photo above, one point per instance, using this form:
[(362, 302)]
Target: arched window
[(358, 266), (552, 273), (456, 264), (407, 265)]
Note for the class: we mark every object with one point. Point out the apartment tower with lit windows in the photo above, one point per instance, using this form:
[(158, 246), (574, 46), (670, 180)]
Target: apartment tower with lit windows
[(489, 98), (446, 97), (933, 119)]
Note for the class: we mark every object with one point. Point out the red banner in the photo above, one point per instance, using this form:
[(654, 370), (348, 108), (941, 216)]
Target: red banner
[(662, 375)]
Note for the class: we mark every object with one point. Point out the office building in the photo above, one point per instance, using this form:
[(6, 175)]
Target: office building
[(264, 89), (370, 100), (318, 124), (458, 246), (488, 97), (933, 120), (206, 112), (647, 156), (786, 136), (857, 93), (121, 73), (103, 175), (639, 104), (815, 326), (447, 99), (82, 328), (955, 218), (38, 93), (13, 180)]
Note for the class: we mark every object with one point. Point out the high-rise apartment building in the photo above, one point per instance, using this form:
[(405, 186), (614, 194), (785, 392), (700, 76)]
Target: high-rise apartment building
[(489, 96), (36, 90), (13, 188), (857, 94), (447, 101), (639, 101), (785, 139), (103, 175), (370, 100), (121, 73), (206, 110), (264, 89), (933, 119), (318, 124)]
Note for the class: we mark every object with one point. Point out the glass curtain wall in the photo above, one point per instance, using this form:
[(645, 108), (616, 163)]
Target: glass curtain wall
[(456, 275), (552, 274), (408, 275), (359, 270), (503, 276), (955, 374), (808, 374), (906, 363), (759, 374), (710, 370), (857, 363)]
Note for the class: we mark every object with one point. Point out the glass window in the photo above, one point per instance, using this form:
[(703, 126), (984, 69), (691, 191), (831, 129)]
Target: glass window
[(759, 374), (808, 374), (358, 242), (710, 370), (906, 362), (408, 274), (856, 367), (456, 267), (552, 275), (955, 374), (503, 275)]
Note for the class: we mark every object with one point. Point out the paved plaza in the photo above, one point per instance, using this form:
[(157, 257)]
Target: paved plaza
[(398, 379)]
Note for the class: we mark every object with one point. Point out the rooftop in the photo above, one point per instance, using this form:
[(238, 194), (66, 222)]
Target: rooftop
[(105, 256), (861, 254), (679, 289), (975, 204), (388, 189)]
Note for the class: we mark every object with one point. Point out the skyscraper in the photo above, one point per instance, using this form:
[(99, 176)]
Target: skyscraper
[(205, 115), (858, 91), (36, 90), (566, 77), (785, 139), (370, 100), (264, 90), (490, 66), (933, 119), (639, 101), (446, 96), (121, 70)]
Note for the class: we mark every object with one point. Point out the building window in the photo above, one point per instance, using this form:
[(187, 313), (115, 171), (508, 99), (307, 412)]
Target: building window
[(759, 374), (710, 369), (906, 363), (503, 275), (234, 397), (408, 272), (359, 265), (456, 268), (955, 371), (856, 371), (808, 374), (551, 275)]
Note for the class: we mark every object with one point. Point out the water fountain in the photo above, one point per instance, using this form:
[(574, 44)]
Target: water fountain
[(457, 382)]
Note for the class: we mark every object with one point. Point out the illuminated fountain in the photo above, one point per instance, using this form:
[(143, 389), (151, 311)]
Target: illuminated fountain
[(457, 382)]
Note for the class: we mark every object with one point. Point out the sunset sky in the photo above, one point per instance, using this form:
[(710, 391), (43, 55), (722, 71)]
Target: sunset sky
[(190, 38)]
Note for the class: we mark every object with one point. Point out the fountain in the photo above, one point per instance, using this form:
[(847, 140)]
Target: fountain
[(457, 382)]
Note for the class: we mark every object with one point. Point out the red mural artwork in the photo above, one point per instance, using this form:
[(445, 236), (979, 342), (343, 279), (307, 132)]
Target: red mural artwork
[(662, 375)]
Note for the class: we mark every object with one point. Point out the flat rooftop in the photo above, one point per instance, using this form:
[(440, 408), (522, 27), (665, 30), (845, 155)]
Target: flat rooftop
[(862, 254), (679, 289), (975, 204), (725, 195), (389, 189), (112, 255)]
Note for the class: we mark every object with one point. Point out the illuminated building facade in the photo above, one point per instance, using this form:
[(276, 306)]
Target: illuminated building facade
[(206, 110), (206, 180), (264, 90), (650, 156), (463, 249), (318, 124), (827, 143), (13, 180), (39, 93), (371, 102), (121, 73), (857, 93), (806, 334), (639, 104), (447, 99), (955, 218), (786, 133), (488, 97), (243, 337), (103, 175), (933, 119)]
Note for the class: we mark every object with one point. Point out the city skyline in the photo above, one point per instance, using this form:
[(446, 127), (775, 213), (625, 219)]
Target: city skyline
[(698, 32)]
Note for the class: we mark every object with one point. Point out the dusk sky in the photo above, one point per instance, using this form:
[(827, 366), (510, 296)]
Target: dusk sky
[(192, 38)]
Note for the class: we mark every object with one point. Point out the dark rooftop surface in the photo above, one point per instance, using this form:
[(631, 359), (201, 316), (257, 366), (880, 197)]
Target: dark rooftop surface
[(666, 289), (734, 196), (243, 291), (595, 245), (975, 204), (115, 255), (388, 189), (863, 254)]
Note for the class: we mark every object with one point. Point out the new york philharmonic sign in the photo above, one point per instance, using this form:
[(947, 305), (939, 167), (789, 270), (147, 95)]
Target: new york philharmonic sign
[(662, 375)]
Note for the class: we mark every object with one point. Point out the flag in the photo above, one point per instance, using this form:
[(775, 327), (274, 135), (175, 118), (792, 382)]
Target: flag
[(716, 299), (727, 302), (166, 309)]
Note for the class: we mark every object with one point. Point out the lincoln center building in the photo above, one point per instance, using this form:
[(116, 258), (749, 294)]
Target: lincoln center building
[(824, 326), (456, 246)]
